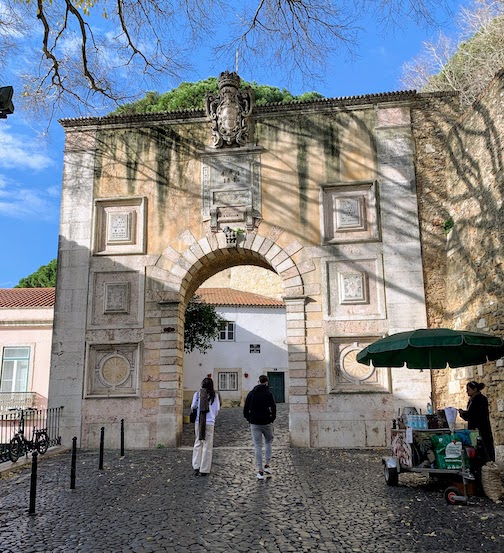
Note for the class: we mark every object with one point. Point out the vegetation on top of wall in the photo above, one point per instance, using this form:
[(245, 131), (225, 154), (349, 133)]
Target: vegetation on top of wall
[(468, 63), (190, 95)]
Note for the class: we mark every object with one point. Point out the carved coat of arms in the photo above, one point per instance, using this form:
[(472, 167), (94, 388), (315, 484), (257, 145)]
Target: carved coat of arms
[(229, 111)]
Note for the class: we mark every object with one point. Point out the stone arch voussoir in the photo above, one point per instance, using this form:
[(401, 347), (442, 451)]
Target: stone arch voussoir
[(181, 267)]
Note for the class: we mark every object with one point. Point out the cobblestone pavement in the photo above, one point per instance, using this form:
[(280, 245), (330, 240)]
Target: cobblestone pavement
[(322, 500)]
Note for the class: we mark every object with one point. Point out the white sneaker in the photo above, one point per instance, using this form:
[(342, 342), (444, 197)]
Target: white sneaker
[(260, 476), (267, 472)]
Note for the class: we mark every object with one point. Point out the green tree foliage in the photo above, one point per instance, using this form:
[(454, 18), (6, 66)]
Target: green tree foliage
[(192, 96), (44, 277), (202, 325)]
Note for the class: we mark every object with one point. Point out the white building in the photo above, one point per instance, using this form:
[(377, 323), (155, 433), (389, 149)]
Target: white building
[(253, 343)]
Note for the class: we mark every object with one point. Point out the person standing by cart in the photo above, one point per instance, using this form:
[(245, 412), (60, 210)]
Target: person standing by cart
[(478, 417)]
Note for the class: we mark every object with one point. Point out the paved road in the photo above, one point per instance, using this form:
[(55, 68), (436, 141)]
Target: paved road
[(319, 500)]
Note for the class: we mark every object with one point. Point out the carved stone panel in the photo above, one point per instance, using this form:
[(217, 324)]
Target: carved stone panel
[(112, 370), (119, 226), (116, 300), (231, 189), (349, 212), (354, 289), (229, 111), (347, 375)]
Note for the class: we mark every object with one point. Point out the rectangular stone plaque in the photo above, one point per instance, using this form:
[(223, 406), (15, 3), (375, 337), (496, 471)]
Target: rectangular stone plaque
[(229, 171), (352, 288), (232, 198), (119, 226), (116, 297), (349, 213)]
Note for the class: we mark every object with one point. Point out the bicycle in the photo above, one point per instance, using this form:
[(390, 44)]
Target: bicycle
[(19, 444)]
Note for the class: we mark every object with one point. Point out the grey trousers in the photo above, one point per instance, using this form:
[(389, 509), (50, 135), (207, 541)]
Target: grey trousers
[(258, 431)]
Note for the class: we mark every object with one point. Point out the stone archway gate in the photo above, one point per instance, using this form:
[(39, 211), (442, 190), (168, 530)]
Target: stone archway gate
[(321, 192)]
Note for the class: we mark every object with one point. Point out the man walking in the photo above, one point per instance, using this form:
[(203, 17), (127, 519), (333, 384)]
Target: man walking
[(260, 411)]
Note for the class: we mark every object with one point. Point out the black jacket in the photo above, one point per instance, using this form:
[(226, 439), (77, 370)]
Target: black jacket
[(478, 418), (260, 407)]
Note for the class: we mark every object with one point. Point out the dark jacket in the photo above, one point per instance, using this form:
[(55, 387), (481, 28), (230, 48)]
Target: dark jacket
[(260, 407), (478, 418)]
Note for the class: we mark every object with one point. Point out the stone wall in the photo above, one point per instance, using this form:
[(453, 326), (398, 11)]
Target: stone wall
[(469, 258), (325, 197)]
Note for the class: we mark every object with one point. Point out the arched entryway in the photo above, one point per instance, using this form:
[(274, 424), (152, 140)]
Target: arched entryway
[(178, 274)]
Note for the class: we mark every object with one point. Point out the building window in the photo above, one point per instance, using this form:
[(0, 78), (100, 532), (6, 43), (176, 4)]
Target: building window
[(15, 368), (227, 334), (228, 381)]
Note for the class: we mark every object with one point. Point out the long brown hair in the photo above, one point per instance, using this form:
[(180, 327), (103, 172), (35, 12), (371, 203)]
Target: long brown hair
[(208, 385)]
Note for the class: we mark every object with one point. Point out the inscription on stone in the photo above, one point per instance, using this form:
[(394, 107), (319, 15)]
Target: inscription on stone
[(231, 181), (232, 198), (349, 214), (119, 227)]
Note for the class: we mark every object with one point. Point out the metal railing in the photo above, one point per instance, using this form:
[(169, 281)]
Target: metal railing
[(21, 400), (38, 418)]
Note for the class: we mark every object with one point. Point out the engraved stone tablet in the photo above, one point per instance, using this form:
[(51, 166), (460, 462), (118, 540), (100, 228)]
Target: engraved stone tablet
[(119, 227), (353, 288), (116, 297), (349, 214)]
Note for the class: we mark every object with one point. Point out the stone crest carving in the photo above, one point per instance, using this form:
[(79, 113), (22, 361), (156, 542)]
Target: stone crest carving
[(229, 111)]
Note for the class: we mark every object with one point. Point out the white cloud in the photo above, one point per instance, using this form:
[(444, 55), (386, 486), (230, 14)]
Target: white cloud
[(23, 203), (20, 151), (28, 188)]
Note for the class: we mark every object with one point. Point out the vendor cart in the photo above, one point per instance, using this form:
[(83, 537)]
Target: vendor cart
[(427, 349), (414, 450)]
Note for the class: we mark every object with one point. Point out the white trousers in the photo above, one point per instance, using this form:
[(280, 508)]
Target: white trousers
[(203, 450)]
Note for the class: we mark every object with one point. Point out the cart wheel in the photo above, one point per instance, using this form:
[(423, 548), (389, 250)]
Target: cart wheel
[(391, 475), (451, 494)]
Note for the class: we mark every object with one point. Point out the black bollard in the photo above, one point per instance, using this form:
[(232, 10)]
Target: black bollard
[(102, 441), (122, 437), (74, 463), (33, 484)]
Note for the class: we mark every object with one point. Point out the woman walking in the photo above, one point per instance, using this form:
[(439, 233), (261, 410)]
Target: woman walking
[(207, 403)]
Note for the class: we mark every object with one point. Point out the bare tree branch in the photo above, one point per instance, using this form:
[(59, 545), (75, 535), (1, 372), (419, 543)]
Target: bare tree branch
[(465, 65), (92, 62)]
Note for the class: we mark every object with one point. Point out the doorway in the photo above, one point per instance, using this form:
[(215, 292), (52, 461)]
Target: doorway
[(277, 385)]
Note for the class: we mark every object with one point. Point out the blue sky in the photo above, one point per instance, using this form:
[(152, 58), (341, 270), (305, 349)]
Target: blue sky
[(31, 168)]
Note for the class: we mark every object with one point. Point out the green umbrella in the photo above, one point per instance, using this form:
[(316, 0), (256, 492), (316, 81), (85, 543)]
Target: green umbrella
[(434, 348)]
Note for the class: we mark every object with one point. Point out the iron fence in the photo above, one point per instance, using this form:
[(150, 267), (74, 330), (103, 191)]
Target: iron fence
[(48, 419)]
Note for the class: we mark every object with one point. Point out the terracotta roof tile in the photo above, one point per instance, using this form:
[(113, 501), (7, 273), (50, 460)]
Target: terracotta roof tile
[(26, 297), (44, 297), (236, 298)]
